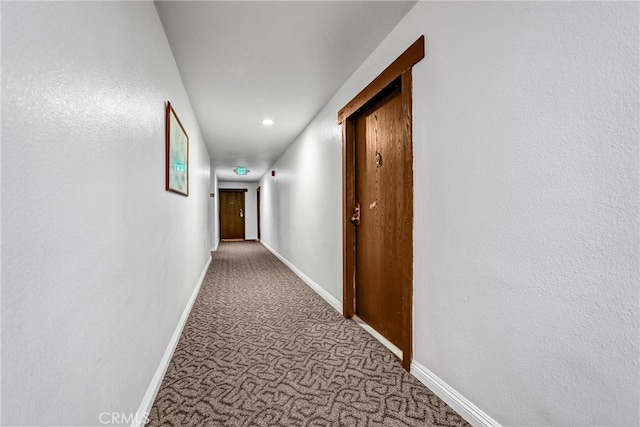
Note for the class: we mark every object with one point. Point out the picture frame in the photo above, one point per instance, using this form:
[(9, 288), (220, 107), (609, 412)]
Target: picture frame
[(177, 150)]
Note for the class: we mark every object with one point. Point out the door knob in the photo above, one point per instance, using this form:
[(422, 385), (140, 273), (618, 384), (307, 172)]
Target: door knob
[(241, 213)]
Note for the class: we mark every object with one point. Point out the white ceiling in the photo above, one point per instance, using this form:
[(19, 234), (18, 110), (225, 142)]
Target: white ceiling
[(242, 62)]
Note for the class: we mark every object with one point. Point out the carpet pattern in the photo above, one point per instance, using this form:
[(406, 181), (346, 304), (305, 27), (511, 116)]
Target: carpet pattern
[(260, 348)]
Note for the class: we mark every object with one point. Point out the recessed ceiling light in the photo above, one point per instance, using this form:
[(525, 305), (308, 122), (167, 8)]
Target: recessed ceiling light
[(267, 122)]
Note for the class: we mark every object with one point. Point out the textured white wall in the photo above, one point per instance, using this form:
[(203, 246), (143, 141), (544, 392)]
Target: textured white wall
[(250, 206), (98, 259), (526, 204), (302, 204), (527, 184)]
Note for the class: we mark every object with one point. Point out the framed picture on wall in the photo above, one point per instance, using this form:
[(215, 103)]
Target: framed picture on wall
[(177, 154)]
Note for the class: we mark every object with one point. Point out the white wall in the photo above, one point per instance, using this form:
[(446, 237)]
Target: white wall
[(302, 203), (526, 205), (98, 259), (250, 206)]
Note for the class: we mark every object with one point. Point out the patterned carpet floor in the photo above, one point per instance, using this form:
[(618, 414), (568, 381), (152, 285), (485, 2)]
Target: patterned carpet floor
[(260, 348)]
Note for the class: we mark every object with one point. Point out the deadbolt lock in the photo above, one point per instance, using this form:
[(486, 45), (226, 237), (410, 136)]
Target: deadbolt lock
[(378, 159), (355, 218)]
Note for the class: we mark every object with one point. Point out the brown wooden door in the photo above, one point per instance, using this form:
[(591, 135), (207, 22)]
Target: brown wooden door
[(258, 209), (378, 178), (232, 214), (381, 236)]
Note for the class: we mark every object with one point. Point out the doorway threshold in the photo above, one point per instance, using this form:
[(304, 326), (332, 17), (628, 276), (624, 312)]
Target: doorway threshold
[(392, 348)]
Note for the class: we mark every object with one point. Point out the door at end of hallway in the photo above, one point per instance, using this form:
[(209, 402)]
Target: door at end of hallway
[(232, 214)]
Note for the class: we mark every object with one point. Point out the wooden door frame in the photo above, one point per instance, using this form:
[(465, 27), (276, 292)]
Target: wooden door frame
[(400, 70), (258, 209), (244, 209)]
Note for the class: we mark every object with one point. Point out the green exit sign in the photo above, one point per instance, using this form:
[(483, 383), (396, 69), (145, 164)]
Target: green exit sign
[(241, 171)]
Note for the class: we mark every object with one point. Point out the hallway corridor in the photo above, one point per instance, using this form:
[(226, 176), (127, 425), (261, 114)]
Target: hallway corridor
[(260, 348)]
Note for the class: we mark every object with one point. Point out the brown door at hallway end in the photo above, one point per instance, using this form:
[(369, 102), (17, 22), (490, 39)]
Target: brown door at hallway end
[(232, 214)]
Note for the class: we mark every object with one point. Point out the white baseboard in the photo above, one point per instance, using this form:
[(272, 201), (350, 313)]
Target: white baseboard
[(215, 248), (451, 397), (313, 285), (156, 381), (377, 335)]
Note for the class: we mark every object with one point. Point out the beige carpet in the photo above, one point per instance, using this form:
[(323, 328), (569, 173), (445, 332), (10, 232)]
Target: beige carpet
[(260, 348)]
